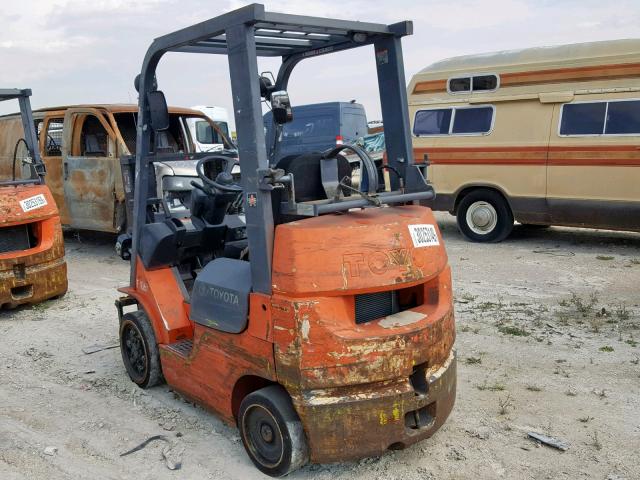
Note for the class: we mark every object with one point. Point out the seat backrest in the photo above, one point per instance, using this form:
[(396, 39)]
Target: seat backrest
[(165, 143), (308, 176), (92, 145)]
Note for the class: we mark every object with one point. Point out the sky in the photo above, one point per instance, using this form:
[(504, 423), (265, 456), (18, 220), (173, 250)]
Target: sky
[(79, 51)]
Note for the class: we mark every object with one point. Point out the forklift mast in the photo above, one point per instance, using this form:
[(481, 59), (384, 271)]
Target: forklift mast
[(30, 137), (243, 35)]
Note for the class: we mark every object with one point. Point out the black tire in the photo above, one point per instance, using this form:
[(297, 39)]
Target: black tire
[(484, 216), (271, 431), (139, 350)]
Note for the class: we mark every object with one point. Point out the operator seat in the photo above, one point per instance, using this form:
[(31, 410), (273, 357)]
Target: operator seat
[(307, 174)]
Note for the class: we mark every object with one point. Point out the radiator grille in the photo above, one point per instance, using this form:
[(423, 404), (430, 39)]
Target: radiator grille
[(372, 306), (14, 238)]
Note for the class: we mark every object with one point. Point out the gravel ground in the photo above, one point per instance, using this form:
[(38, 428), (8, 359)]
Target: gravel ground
[(548, 341)]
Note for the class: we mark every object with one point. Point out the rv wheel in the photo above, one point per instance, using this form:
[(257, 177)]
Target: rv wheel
[(139, 350), (484, 216), (272, 432)]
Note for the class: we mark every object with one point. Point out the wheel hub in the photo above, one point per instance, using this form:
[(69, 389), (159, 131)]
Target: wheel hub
[(263, 436), (482, 217), (135, 350), (266, 432)]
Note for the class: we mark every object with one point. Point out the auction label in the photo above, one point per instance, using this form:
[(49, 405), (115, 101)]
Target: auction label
[(32, 203), (424, 235)]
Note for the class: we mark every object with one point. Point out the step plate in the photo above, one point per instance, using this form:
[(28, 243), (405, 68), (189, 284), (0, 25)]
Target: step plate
[(182, 348)]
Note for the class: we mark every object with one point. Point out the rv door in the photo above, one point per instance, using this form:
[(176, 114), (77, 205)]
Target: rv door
[(89, 170)]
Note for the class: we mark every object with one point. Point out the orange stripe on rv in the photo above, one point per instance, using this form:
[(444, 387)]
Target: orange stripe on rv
[(554, 75), (627, 155)]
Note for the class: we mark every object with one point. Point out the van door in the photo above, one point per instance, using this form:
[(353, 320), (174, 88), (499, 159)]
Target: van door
[(594, 156), (353, 123), (89, 169), (51, 141)]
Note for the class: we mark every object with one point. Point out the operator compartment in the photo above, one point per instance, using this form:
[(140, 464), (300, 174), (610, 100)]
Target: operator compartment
[(361, 297)]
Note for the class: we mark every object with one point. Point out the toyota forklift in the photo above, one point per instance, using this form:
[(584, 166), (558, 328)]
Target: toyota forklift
[(32, 264), (304, 303)]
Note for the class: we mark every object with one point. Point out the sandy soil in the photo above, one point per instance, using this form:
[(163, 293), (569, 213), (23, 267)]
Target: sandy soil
[(548, 341)]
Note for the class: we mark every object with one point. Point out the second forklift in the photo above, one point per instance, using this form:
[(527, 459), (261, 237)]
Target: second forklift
[(323, 327)]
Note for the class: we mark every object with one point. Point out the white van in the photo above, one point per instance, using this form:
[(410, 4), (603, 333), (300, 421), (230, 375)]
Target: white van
[(206, 139)]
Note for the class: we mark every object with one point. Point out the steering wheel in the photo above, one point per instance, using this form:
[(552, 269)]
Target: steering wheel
[(224, 181), (15, 156)]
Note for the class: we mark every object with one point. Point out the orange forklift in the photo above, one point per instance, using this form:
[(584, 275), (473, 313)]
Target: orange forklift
[(304, 304), (32, 265)]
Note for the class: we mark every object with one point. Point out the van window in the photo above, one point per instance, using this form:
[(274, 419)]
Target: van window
[(206, 134), (583, 118), (94, 139), (316, 126), (601, 118), (475, 83), (126, 122), (453, 121), (53, 142), (432, 122), (623, 118), (224, 128), (472, 120), (172, 140)]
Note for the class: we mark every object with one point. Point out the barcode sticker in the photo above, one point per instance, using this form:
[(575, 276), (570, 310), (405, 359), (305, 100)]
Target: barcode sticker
[(424, 235), (32, 203)]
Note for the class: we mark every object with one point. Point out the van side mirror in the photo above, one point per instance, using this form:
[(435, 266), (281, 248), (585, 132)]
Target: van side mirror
[(158, 110), (281, 107)]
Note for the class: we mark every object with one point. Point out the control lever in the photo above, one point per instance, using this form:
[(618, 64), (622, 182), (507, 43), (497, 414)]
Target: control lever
[(198, 186)]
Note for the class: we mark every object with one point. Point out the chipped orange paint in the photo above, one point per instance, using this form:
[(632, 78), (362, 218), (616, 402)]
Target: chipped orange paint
[(350, 383), (40, 272)]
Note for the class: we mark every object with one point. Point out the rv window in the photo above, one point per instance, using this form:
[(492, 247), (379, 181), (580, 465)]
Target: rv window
[(583, 118), (476, 83), (466, 121), (485, 82), (460, 84), (432, 122), (472, 120), (623, 118), (53, 142)]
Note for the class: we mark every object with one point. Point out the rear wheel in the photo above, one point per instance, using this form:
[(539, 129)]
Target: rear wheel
[(139, 349), (484, 216), (272, 432)]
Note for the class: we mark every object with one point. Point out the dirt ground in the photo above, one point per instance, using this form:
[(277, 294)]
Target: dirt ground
[(548, 341)]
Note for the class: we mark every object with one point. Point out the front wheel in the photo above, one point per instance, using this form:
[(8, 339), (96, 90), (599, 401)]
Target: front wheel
[(484, 216), (272, 432), (139, 350)]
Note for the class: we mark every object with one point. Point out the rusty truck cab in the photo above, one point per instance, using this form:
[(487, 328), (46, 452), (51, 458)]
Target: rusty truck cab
[(81, 147), (312, 311), (32, 265)]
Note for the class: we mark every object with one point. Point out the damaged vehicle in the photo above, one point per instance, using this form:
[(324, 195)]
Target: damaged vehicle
[(32, 264), (81, 147)]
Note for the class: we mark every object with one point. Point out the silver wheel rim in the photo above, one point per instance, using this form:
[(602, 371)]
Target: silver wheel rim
[(482, 218)]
